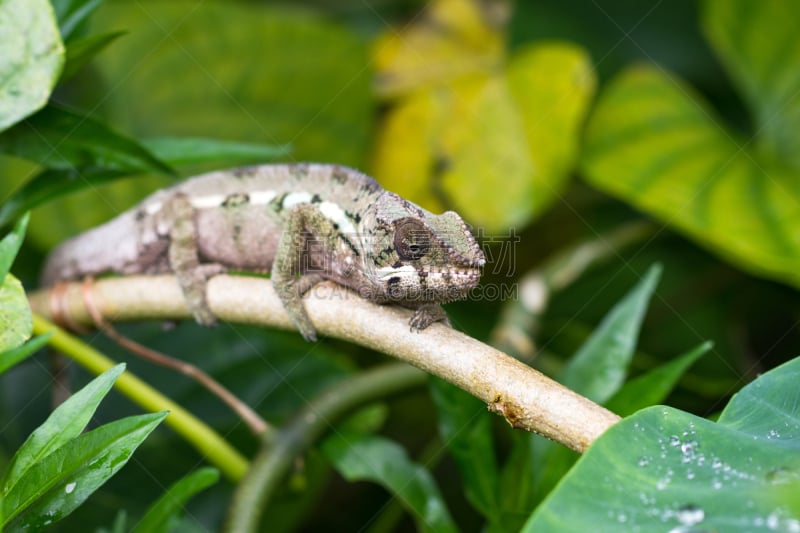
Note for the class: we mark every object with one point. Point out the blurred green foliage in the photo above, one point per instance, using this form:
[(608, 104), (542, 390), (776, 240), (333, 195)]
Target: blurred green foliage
[(545, 123)]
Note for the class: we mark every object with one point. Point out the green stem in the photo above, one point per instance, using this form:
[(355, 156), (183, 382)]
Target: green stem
[(519, 321), (279, 450), (208, 442)]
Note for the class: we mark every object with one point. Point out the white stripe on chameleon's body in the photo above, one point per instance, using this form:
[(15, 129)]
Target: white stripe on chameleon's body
[(333, 212), (294, 198), (215, 200), (206, 202), (262, 197)]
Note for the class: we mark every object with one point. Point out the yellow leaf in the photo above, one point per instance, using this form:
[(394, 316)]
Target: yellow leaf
[(496, 147), (552, 85), (404, 155), (450, 39), (484, 156)]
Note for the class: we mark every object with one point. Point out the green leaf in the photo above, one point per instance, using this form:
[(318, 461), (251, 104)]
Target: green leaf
[(166, 509), (16, 322), (517, 484), (465, 427), (119, 525), (72, 14), (12, 357), (81, 51), (360, 457), (11, 244), (61, 481), (757, 42), (598, 368), (54, 183), (654, 386), (31, 57), (195, 150), (663, 469), (298, 78), (60, 139), (64, 424), (655, 143), (50, 184)]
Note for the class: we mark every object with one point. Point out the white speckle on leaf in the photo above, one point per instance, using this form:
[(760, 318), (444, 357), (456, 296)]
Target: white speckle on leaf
[(689, 515), (70, 487)]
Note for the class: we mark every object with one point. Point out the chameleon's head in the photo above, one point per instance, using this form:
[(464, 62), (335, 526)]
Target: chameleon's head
[(418, 257)]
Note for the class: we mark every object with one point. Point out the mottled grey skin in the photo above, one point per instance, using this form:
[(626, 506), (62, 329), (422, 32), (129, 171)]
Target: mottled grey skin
[(303, 223)]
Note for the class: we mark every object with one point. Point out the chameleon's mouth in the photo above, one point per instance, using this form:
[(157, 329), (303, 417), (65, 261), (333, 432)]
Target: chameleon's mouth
[(451, 284), (440, 285)]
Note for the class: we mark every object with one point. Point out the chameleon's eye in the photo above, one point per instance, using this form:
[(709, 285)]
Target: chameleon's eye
[(411, 240)]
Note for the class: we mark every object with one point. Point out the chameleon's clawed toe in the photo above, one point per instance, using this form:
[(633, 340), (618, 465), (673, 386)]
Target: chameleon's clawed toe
[(204, 316), (426, 315)]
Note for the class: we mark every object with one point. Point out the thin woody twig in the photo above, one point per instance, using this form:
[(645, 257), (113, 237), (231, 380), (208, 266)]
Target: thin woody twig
[(519, 319), (256, 424)]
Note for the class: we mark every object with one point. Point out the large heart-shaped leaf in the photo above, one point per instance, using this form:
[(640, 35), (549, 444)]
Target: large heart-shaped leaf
[(759, 46), (469, 121), (31, 57), (655, 143), (269, 75), (663, 469)]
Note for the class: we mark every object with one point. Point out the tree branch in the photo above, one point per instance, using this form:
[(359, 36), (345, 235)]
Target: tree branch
[(526, 398)]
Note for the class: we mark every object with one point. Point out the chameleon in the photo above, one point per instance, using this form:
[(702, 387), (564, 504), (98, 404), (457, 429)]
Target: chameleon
[(302, 223)]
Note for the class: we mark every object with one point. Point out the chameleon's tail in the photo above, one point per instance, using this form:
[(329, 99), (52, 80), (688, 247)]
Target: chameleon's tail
[(63, 264), (49, 273), (110, 247)]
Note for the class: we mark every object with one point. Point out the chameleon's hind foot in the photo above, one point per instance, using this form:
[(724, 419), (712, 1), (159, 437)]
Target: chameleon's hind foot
[(426, 315), (194, 285)]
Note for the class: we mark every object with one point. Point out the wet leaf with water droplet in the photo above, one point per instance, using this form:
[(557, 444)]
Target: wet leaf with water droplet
[(58, 483), (728, 475)]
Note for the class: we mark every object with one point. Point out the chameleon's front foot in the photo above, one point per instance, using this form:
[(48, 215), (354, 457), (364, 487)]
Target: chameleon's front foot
[(290, 297), (426, 315), (291, 291)]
